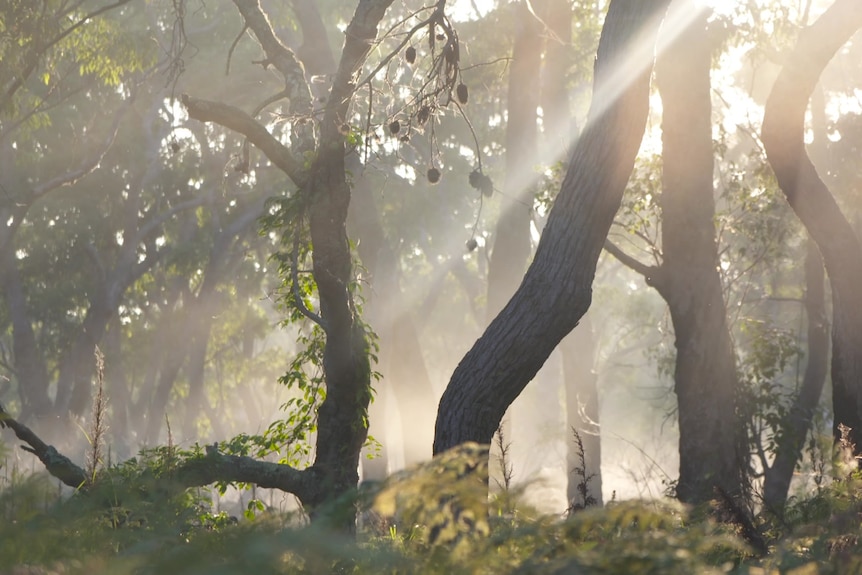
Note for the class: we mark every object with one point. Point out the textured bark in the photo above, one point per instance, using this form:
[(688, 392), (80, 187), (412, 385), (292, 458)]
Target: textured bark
[(783, 139), (711, 438), (777, 477), (556, 290), (342, 427)]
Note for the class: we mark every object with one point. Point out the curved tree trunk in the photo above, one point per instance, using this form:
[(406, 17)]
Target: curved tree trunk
[(783, 139), (556, 291)]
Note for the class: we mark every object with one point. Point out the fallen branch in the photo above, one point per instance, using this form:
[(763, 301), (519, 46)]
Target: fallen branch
[(194, 471), (55, 462)]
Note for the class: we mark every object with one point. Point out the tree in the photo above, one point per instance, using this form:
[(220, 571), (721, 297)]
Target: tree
[(711, 434), (783, 139), (555, 292)]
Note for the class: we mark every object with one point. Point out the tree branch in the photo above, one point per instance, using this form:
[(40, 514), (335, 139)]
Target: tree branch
[(209, 468), (237, 120), (55, 462), (216, 466), (284, 60), (651, 274)]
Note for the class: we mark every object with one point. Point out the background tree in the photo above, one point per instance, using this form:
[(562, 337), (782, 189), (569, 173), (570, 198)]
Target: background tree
[(783, 138)]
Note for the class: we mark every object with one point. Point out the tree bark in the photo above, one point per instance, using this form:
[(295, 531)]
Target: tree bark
[(783, 139), (556, 290), (712, 442)]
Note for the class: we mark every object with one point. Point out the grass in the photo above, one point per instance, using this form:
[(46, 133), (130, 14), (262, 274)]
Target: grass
[(437, 520)]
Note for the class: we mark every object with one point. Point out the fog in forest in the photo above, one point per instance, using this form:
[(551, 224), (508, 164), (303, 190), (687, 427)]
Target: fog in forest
[(175, 247)]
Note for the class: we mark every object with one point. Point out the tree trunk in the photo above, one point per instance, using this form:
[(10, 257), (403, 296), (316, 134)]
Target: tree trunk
[(31, 371), (342, 418), (556, 290), (776, 480), (783, 139), (711, 438), (512, 246)]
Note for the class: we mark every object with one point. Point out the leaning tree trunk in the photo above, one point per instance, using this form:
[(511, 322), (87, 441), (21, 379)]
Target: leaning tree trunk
[(712, 443), (556, 291), (783, 138)]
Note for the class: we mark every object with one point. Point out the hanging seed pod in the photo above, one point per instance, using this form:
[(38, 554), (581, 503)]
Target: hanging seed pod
[(462, 93), (410, 54), (405, 138), (481, 182), (450, 54), (433, 175), (472, 244), (394, 127), (422, 115)]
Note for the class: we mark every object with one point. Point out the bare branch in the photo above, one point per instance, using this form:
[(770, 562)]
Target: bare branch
[(55, 462), (284, 60), (192, 472), (650, 273), (237, 120), (216, 466)]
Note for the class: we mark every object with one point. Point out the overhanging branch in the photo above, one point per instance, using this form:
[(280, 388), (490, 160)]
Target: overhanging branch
[(239, 121)]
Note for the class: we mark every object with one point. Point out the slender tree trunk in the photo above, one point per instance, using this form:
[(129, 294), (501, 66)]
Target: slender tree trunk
[(556, 291), (32, 373), (711, 437), (783, 139), (776, 480), (405, 378), (342, 418), (512, 245)]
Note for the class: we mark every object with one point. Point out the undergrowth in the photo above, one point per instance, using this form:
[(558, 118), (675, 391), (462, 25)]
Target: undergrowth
[(434, 519)]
